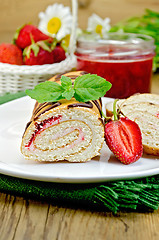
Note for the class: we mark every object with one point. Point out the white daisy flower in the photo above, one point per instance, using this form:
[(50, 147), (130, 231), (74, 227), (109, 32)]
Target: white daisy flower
[(56, 21), (98, 25)]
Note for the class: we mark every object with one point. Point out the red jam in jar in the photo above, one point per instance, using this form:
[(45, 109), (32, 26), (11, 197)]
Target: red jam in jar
[(124, 59)]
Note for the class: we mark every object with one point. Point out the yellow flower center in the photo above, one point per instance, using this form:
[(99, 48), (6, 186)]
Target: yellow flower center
[(66, 40), (99, 29), (54, 25)]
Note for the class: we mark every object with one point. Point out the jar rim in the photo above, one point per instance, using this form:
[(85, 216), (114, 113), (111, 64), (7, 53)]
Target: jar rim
[(115, 38), (120, 44)]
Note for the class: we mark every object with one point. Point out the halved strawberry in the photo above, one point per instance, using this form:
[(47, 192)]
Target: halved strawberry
[(124, 139)]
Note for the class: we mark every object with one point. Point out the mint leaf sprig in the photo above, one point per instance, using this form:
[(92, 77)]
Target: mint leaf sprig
[(85, 88)]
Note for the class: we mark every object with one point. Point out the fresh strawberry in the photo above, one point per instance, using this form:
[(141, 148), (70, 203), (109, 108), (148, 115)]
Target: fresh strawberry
[(38, 53), (24, 36), (9, 53), (124, 139), (59, 54)]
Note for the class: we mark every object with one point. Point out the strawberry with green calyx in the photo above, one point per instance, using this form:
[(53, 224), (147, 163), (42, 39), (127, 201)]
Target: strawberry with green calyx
[(123, 137), (58, 51), (38, 53), (24, 35), (9, 53)]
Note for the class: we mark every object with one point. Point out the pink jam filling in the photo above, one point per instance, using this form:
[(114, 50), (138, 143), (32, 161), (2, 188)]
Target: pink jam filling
[(39, 127), (80, 138), (157, 114)]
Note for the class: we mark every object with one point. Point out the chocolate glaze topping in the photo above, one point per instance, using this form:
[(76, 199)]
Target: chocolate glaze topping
[(41, 105), (27, 125), (86, 104), (73, 76), (98, 105), (81, 104), (58, 77), (50, 106), (36, 104), (101, 120), (83, 72)]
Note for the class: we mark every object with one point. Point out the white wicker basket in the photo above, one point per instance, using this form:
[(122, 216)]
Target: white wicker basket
[(14, 78)]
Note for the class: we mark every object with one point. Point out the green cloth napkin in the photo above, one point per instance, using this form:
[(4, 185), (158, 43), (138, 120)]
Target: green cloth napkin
[(128, 195)]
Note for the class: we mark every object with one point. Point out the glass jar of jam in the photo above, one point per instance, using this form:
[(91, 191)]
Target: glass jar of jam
[(124, 59)]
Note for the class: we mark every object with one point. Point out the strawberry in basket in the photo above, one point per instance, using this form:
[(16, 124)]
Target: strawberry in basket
[(9, 53), (59, 54), (43, 52), (38, 53), (24, 35)]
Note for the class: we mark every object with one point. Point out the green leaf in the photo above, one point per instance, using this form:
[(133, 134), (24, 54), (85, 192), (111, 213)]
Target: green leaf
[(26, 51), (66, 82), (68, 94), (53, 44), (46, 92), (44, 45), (15, 37), (152, 13), (35, 49), (90, 87), (87, 87)]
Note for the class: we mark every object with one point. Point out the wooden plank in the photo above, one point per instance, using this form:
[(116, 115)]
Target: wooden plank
[(32, 220), (10, 212), (25, 219)]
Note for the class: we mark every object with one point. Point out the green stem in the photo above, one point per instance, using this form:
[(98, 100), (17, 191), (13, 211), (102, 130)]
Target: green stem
[(114, 110), (103, 115)]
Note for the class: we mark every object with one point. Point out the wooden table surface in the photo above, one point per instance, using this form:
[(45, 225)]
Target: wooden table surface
[(34, 220)]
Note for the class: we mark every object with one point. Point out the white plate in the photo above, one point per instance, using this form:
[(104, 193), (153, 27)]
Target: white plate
[(13, 118)]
